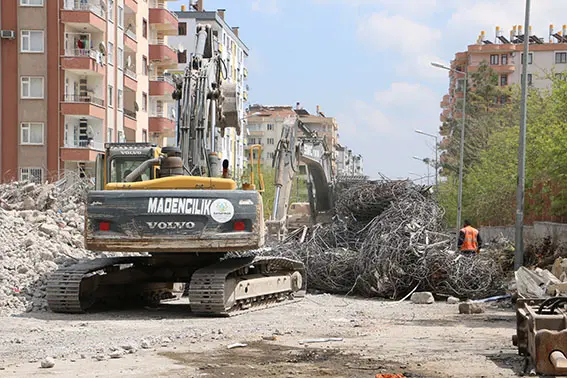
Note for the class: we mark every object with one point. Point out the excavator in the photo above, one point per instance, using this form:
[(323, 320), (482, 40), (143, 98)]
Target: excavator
[(313, 151), (172, 216)]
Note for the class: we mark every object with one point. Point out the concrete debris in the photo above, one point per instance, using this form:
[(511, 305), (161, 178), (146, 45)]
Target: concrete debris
[(48, 363), (559, 269), (538, 283), (145, 344), (453, 300), (100, 357), (117, 354), (424, 297), (42, 229), (470, 308)]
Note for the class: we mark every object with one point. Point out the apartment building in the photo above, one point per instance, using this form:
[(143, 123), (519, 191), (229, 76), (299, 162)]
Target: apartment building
[(265, 125), (348, 163), (234, 53), (505, 56), (76, 74)]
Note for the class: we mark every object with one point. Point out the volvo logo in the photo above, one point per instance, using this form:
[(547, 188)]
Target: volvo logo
[(171, 225)]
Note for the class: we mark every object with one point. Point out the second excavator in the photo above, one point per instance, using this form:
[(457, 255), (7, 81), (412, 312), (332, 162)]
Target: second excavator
[(180, 210)]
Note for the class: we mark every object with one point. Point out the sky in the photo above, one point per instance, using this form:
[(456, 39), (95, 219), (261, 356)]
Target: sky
[(367, 63)]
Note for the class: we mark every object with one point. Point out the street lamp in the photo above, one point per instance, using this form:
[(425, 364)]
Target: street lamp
[(426, 161), (462, 147), (436, 157)]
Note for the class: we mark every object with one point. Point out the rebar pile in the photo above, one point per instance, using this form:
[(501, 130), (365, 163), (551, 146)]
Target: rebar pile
[(387, 239)]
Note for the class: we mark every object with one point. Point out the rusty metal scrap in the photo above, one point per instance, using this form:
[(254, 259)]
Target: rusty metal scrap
[(385, 239)]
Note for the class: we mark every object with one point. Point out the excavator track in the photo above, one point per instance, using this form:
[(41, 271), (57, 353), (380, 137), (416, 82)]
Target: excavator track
[(222, 288), (64, 291)]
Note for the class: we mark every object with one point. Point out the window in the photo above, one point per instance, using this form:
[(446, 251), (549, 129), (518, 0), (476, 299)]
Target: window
[(560, 76), (32, 41), (530, 58), (121, 138), (120, 58), (109, 134), (560, 57), (110, 54), (31, 3), (110, 10), (31, 133), (121, 17), (530, 81), (270, 140), (110, 94), (182, 56), (144, 102), (503, 80), (270, 155), (31, 87), (270, 126), (144, 28), (182, 28), (120, 104), (144, 136), (494, 59), (31, 174), (503, 99), (251, 141), (504, 59), (145, 66)]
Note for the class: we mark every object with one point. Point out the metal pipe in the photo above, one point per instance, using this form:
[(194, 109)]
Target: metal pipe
[(213, 124), (141, 168), (519, 242)]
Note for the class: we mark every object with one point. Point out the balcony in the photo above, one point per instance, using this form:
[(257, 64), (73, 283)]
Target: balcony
[(160, 123), (132, 5), (83, 106), (130, 80), (83, 62), (130, 119), (162, 54), (130, 40), (87, 16), (83, 139), (162, 19), (161, 86)]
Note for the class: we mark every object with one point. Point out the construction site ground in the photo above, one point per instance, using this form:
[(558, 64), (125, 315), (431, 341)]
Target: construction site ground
[(378, 337)]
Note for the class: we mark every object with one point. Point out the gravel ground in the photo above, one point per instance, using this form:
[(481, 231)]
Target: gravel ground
[(429, 340)]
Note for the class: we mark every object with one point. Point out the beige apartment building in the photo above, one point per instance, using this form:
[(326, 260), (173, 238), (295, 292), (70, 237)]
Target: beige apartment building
[(504, 54), (77, 74)]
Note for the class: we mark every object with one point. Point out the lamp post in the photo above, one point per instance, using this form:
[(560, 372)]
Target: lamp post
[(519, 242), (462, 146), (427, 162), (436, 157)]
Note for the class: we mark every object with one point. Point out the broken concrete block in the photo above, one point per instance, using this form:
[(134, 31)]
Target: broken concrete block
[(424, 297), (470, 308), (48, 363), (453, 300)]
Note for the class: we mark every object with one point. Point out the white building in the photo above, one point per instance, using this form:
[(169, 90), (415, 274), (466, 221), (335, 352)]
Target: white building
[(234, 53)]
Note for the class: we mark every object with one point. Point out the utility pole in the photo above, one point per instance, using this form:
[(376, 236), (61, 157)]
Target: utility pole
[(519, 254)]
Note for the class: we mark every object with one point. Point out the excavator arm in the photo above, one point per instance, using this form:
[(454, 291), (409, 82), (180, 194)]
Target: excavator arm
[(292, 150)]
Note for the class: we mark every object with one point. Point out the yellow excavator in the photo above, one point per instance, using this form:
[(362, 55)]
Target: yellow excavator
[(178, 210)]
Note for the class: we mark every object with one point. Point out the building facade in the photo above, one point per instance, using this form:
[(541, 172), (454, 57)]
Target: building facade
[(234, 53), (505, 56), (265, 125), (76, 74)]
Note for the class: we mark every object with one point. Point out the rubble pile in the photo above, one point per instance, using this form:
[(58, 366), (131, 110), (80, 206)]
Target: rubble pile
[(41, 228), (387, 240)]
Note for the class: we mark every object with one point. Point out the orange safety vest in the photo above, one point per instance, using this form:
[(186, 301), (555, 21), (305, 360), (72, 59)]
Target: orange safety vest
[(470, 243)]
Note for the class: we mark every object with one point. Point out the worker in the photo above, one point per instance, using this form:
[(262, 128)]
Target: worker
[(469, 239)]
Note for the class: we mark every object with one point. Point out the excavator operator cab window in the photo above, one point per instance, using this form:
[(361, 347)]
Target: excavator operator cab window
[(120, 167)]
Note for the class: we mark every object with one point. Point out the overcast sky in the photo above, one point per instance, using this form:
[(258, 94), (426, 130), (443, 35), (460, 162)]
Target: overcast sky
[(367, 62)]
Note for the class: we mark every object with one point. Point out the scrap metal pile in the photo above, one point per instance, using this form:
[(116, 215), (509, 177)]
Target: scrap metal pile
[(387, 239)]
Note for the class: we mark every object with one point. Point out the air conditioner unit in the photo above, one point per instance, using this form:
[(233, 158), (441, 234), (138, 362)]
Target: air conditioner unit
[(8, 34)]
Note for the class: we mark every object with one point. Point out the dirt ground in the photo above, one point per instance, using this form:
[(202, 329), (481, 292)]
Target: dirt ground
[(377, 337)]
